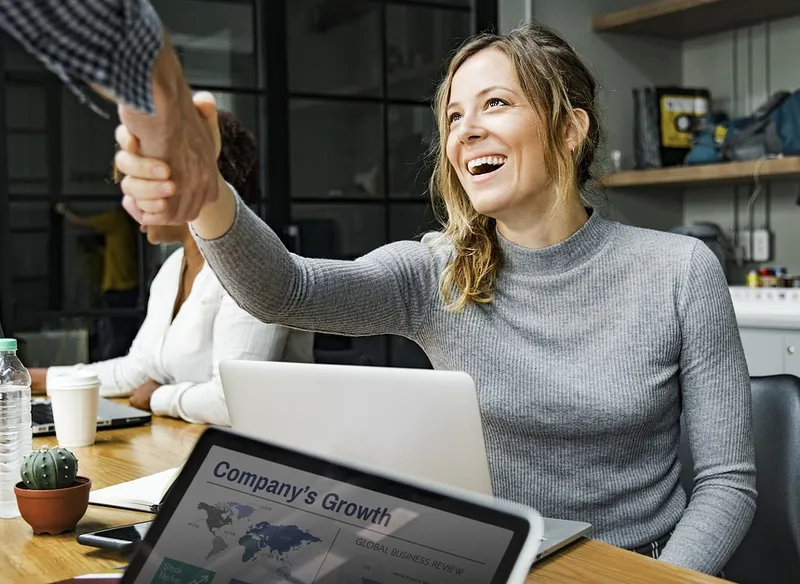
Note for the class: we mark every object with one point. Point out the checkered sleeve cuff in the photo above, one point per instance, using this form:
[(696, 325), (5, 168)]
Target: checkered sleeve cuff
[(131, 76), (110, 43)]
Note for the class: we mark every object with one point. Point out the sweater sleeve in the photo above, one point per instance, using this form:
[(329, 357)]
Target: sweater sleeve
[(388, 291), (715, 386)]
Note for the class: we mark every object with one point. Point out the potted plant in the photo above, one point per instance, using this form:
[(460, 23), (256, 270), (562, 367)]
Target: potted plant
[(51, 497)]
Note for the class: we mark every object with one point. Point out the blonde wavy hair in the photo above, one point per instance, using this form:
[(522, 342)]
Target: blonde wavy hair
[(556, 83)]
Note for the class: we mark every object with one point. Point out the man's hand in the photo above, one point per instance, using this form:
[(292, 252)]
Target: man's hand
[(142, 174), (178, 136), (140, 398)]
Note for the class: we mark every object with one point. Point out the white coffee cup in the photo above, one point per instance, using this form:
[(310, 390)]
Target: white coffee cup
[(74, 398)]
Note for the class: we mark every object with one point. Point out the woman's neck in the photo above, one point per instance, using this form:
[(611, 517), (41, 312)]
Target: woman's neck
[(544, 224), (192, 264), (191, 254)]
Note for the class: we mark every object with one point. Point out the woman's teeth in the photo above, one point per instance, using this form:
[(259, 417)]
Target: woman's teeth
[(485, 164)]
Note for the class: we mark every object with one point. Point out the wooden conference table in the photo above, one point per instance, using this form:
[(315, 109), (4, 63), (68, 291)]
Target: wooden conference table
[(123, 455)]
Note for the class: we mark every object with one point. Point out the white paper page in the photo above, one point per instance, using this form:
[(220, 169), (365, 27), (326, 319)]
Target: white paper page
[(140, 494)]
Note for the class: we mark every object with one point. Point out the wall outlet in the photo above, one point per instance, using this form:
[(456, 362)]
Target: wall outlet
[(762, 245)]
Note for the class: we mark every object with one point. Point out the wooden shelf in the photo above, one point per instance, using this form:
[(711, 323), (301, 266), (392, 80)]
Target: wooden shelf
[(686, 19), (705, 174)]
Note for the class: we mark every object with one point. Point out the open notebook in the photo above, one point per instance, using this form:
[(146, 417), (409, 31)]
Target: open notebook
[(144, 494)]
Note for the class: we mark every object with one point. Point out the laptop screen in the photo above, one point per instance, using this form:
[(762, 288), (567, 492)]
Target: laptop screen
[(246, 519)]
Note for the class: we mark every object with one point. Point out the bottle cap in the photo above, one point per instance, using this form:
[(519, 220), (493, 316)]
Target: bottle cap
[(8, 344)]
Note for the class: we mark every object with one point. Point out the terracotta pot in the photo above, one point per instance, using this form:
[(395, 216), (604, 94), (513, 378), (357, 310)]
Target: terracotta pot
[(53, 511)]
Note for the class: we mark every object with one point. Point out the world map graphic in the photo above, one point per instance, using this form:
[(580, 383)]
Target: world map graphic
[(234, 524)]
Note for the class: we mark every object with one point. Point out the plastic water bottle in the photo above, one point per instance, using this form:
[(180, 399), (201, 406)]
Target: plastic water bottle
[(15, 423)]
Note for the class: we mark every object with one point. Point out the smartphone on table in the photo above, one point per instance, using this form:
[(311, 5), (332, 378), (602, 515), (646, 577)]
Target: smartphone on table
[(123, 538)]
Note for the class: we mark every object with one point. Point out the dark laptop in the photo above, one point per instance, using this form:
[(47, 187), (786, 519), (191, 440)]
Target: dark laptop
[(243, 511), (110, 415)]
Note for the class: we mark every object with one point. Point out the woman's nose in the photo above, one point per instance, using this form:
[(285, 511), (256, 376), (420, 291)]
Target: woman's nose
[(470, 131)]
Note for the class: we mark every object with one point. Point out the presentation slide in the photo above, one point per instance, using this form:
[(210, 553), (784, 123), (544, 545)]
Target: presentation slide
[(245, 520)]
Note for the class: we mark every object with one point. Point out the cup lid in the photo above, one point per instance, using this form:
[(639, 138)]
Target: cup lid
[(72, 379)]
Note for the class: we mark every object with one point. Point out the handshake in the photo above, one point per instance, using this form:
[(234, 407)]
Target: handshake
[(169, 164)]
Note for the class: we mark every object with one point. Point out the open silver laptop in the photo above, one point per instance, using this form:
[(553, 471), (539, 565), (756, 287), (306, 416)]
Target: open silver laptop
[(416, 422)]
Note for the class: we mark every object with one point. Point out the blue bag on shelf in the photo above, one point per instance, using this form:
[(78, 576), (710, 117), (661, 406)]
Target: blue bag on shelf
[(773, 129), (787, 120)]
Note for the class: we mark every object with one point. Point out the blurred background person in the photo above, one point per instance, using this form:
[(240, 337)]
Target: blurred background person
[(119, 286), (192, 323)]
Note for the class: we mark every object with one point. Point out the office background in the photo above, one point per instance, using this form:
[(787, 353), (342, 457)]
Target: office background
[(337, 92)]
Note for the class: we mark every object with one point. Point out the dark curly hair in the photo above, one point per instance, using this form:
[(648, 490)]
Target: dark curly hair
[(238, 158)]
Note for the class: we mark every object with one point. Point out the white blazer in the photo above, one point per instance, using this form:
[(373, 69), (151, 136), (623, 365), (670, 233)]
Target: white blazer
[(183, 354)]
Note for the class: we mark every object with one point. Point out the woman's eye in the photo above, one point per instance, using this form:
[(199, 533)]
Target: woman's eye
[(495, 102), (454, 117)]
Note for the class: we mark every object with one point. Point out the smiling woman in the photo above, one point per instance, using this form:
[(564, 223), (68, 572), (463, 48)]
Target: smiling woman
[(520, 166), (587, 339)]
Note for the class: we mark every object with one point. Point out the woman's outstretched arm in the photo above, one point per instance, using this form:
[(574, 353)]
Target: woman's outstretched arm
[(388, 291)]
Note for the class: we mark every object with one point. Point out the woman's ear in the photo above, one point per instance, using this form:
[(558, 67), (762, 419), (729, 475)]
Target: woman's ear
[(578, 128)]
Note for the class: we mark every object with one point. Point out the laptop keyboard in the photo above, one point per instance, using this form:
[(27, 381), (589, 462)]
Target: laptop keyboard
[(41, 413)]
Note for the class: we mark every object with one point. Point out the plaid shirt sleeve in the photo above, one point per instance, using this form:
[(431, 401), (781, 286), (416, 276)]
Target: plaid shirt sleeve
[(111, 43)]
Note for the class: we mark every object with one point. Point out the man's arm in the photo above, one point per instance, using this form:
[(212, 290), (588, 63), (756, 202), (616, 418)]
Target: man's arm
[(111, 45), (119, 48)]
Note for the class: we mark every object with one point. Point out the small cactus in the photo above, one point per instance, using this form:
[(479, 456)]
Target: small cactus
[(49, 468)]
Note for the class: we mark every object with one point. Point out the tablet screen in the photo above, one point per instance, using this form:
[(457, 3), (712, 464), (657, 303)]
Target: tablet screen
[(247, 520)]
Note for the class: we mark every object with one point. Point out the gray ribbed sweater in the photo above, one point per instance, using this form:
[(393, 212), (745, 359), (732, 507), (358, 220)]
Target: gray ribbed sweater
[(581, 364)]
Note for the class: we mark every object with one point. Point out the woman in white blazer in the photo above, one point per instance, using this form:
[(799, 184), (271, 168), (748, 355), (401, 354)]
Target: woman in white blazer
[(192, 323)]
